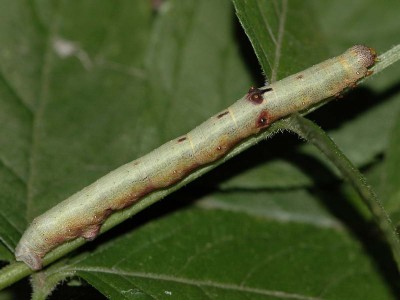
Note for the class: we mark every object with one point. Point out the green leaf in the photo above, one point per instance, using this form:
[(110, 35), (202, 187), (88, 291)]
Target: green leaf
[(18, 92), (84, 88), (230, 256), (282, 46), (344, 24), (312, 29), (391, 173), (297, 205), (314, 134), (12, 201)]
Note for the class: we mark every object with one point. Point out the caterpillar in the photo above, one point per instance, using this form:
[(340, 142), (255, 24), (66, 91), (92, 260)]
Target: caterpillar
[(82, 214)]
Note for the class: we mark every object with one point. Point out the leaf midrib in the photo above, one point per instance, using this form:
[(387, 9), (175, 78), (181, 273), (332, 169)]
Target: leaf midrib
[(197, 283), (38, 117)]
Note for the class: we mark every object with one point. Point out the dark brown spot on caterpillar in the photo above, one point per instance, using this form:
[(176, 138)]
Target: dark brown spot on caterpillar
[(222, 114), (255, 95), (181, 139), (300, 76), (263, 119)]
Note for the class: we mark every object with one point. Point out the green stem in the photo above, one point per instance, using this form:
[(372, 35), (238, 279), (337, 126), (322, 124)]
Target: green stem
[(17, 270), (12, 273), (311, 132), (386, 59)]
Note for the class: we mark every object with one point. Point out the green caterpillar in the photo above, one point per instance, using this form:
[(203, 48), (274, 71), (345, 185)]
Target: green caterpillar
[(82, 214)]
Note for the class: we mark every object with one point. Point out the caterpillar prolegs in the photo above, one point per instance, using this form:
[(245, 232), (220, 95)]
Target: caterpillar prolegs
[(82, 214)]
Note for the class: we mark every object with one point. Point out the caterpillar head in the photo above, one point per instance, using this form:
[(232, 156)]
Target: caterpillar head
[(25, 254)]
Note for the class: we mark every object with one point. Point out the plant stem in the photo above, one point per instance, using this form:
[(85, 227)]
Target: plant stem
[(13, 273), (311, 132), (386, 59)]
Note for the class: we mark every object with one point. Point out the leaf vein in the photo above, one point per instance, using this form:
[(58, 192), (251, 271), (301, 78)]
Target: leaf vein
[(203, 283), (281, 31), (7, 220), (12, 171), (38, 116), (267, 25), (14, 92)]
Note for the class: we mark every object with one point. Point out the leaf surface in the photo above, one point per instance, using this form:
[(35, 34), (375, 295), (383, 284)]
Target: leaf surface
[(390, 173), (232, 255)]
